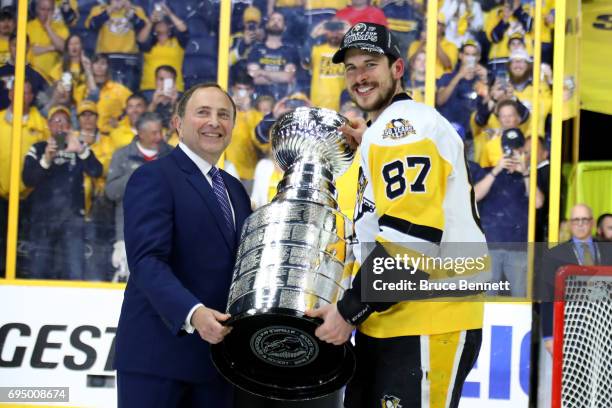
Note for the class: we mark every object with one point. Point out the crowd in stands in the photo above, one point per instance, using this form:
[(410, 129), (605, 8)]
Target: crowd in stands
[(100, 73)]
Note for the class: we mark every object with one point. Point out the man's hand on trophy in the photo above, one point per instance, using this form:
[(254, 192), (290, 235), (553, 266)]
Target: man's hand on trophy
[(208, 324), (334, 329), (354, 130)]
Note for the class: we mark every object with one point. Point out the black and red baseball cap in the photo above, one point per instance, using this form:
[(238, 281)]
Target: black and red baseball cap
[(369, 37)]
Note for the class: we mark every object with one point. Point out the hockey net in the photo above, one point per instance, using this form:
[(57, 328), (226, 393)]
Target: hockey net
[(582, 335)]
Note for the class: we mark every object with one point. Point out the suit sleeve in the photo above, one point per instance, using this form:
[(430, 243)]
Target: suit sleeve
[(149, 225)]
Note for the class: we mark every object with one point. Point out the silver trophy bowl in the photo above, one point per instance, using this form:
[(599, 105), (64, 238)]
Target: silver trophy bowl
[(294, 254)]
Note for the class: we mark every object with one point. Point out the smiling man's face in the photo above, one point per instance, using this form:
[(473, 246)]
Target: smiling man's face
[(207, 125), (370, 80)]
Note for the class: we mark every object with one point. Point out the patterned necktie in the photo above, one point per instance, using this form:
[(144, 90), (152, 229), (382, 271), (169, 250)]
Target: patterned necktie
[(587, 255), (221, 195)]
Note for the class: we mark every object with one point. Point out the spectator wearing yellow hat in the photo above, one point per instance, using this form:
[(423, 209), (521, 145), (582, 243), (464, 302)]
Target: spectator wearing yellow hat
[(55, 170), (99, 210), (510, 18), (243, 41)]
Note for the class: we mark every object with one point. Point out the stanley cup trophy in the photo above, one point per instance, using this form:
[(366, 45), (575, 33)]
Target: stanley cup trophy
[(293, 256)]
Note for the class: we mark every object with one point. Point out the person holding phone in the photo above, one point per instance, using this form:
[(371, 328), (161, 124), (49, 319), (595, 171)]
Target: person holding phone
[(459, 91), (55, 169), (119, 24), (166, 93), (327, 79), (163, 42), (502, 191)]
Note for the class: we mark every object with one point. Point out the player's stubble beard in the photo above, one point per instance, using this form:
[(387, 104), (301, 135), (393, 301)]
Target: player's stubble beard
[(381, 101)]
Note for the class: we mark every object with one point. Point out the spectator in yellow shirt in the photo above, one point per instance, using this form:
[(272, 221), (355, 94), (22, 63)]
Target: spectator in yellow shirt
[(165, 39), (118, 25), (242, 151), (520, 70), (7, 74), (47, 38), (99, 210), (446, 52), (510, 18), (327, 78), (7, 27), (34, 129), (136, 105), (75, 66), (111, 96)]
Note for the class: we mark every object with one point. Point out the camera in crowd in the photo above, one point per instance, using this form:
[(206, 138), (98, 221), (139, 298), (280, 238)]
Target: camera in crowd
[(60, 139)]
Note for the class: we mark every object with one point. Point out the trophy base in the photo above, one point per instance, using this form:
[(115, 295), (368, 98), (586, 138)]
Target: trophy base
[(274, 353)]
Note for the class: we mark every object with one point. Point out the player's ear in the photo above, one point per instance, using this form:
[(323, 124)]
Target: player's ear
[(397, 68)]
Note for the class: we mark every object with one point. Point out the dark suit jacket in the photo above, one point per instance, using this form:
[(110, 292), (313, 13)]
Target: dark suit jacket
[(561, 255), (179, 253)]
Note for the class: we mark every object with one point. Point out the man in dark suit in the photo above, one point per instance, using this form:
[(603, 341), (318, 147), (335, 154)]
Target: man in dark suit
[(182, 222), (581, 249)]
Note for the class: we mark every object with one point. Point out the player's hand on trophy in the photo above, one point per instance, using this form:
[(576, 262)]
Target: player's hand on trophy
[(335, 329), (208, 324), (353, 131)]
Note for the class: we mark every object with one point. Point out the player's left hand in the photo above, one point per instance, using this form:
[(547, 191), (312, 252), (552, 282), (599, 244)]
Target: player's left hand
[(335, 329), (354, 130)]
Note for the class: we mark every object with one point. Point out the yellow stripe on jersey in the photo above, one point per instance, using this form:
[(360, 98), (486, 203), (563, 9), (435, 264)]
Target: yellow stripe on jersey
[(409, 182), (417, 318)]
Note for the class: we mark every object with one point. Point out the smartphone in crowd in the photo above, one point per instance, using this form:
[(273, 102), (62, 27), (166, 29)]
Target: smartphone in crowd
[(168, 86), (67, 81), (470, 61), (60, 139)]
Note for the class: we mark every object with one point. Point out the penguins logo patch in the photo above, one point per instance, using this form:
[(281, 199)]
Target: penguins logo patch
[(398, 129)]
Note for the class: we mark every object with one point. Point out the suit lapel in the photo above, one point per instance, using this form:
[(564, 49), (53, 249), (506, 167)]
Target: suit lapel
[(199, 183)]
